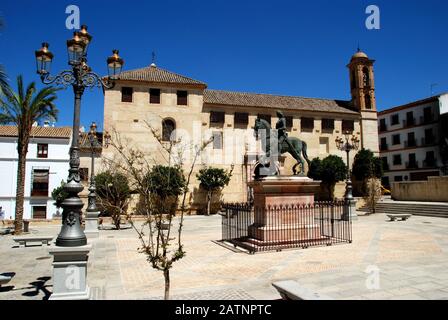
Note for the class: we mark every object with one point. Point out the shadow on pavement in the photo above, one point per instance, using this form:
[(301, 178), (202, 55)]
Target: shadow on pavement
[(38, 285)]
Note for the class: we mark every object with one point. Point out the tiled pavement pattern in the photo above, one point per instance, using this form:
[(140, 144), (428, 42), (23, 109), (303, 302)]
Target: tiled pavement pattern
[(411, 256)]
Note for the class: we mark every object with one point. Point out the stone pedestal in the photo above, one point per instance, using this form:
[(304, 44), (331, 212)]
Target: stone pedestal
[(91, 225), (278, 208), (350, 210), (70, 273)]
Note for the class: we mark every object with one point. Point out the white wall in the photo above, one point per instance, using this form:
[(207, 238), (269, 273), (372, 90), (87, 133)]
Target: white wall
[(57, 163)]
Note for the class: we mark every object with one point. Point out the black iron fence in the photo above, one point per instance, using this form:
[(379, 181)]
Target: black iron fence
[(286, 226)]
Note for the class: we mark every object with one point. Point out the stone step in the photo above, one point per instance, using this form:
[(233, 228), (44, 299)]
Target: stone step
[(429, 210)]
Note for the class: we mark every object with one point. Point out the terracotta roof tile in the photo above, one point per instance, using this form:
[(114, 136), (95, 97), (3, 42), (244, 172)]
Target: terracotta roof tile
[(244, 99), (156, 74), (38, 132)]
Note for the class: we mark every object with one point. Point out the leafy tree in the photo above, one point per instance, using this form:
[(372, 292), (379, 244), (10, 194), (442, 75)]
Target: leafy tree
[(23, 108), (166, 181), (114, 194), (212, 180), (366, 165), (4, 86), (59, 195), (330, 170)]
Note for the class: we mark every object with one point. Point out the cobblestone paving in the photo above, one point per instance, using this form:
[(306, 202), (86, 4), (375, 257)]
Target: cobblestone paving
[(410, 256)]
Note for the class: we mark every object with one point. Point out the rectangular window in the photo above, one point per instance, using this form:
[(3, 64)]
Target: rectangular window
[(348, 126), (397, 159), (385, 163), (154, 96), (266, 117), (39, 212), (307, 123), (396, 139), (411, 140), (42, 150), (126, 94), (383, 144), (217, 117), (182, 98), (394, 119), (398, 178), (289, 122), (217, 140), (412, 163), (383, 126), (241, 118), (40, 179), (327, 124), (427, 115), (409, 119), (84, 174)]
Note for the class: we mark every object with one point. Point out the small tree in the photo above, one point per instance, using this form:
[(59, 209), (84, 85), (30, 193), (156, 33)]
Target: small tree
[(59, 195), (113, 193), (373, 194), (213, 180), (152, 183), (330, 170)]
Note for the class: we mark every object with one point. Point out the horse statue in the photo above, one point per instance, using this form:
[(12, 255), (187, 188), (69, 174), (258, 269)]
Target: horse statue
[(294, 146)]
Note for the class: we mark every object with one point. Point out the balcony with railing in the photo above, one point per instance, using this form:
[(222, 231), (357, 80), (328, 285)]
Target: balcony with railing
[(412, 164), (430, 163), (428, 140), (410, 143), (409, 123), (427, 118)]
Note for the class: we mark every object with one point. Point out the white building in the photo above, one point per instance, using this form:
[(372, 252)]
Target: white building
[(410, 139), (47, 165)]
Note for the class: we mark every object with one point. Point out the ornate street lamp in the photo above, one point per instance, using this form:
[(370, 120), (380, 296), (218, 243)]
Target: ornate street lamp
[(348, 145), (79, 76), (93, 140)]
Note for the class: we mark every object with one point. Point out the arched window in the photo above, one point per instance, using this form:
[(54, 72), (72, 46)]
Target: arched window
[(368, 101), (353, 79), (168, 126), (365, 77)]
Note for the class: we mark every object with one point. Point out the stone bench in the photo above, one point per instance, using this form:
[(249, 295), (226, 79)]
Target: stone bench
[(42, 239), (4, 280), (401, 216), (292, 290)]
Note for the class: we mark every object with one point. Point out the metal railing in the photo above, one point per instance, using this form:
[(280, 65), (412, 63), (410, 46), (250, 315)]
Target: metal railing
[(286, 226)]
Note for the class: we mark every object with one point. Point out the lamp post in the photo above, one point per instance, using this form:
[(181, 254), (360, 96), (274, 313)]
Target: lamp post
[(79, 76), (93, 140), (348, 145)]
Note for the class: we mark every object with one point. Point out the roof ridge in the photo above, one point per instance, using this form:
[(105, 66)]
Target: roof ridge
[(148, 68), (275, 95)]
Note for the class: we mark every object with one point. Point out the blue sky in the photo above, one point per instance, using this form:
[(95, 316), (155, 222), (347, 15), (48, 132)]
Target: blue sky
[(282, 47)]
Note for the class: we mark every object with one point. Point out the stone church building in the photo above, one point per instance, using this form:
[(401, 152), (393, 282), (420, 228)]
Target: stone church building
[(177, 106)]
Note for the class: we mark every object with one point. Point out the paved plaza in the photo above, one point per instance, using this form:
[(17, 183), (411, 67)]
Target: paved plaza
[(410, 256)]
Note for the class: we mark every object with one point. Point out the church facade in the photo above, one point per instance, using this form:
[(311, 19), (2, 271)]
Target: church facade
[(180, 107)]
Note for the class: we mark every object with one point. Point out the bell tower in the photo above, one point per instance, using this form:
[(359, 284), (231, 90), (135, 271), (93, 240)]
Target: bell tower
[(362, 82), (362, 89)]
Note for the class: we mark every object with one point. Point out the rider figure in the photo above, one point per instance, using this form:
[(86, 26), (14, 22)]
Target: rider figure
[(281, 130)]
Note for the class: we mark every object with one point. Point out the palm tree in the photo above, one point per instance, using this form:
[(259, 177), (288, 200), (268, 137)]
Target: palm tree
[(4, 86), (23, 108)]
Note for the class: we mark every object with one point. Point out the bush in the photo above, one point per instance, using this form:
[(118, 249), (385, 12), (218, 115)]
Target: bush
[(329, 170), (59, 195), (113, 193), (365, 167)]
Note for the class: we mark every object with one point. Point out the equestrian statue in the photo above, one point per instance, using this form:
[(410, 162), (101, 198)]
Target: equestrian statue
[(279, 137)]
